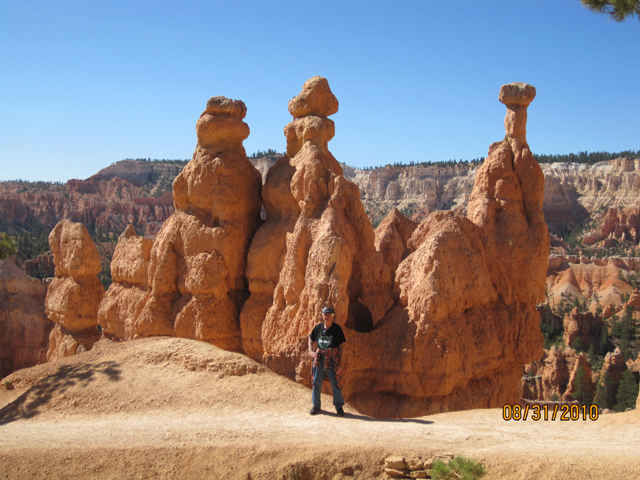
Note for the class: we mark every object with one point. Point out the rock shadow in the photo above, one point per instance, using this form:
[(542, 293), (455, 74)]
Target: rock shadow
[(31, 402), (364, 418)]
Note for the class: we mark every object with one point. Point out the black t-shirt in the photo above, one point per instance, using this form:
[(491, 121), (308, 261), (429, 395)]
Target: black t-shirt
[(333, 337)]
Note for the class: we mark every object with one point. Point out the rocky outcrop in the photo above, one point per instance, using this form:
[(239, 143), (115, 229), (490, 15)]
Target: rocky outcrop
[(24, 328), (393, 237), (616, 226), (414, 190), (582, 330), (126, 295), (586, 282), (554, 377), (562, 262), (315, 217), (196, 284), (41, 266), (614, 365), (465, 288), (103, 201), (458, 307), (74, 294), (577, 191)]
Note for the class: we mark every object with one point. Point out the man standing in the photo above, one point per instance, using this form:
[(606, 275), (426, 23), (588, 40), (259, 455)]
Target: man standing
[(329, 338)]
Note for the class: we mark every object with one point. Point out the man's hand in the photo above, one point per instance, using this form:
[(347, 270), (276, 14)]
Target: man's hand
[(312, 353)]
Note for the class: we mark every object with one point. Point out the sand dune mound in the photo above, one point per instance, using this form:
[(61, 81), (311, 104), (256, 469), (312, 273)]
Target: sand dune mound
[(149, 374)]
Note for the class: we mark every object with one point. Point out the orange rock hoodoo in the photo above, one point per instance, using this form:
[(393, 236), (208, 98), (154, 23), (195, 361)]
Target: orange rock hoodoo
[(196, 268), (74, 294), (316, 248), (466, 315), (124, 299)]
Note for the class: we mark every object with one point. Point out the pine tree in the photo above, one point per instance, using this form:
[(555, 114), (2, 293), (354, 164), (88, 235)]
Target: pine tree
[(627, 392), (618, 10), (7, 246), (581, 394), (604, 392)]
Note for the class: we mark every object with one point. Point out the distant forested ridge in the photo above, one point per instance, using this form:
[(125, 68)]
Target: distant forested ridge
[(588, 158), (585, 157)]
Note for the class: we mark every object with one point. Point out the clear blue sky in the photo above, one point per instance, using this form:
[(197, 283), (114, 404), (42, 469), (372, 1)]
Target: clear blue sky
[(87, 83)]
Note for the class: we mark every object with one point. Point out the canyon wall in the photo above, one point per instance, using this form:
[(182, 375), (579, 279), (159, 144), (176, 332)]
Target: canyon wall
[(126, 192)]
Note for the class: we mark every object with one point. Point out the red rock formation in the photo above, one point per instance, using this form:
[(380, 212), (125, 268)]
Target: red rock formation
[(108, 202), (24, 328), (75, 293), (41, 267), (614, 365), (553, 376), (588, 386), (618, 225), (583, 281), (585, 327), (466, 291), (393, 239), (634, 300), (318, 221), (197, 263), (125, 297)]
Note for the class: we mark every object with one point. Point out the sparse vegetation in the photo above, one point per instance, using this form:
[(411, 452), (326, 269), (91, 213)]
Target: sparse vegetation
[(458, 468), (581, 394), (589, 158), (604, 392), (7, 246), (155, 160), (627, 392), (268, 153)]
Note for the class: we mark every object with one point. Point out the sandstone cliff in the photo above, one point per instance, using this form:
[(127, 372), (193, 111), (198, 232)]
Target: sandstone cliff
[(24, 328), (573, 193)]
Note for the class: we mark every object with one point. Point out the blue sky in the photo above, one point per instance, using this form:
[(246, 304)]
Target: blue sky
[(85, 83)]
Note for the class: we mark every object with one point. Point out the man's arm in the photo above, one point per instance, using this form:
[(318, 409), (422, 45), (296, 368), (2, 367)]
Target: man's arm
[(311, 352)]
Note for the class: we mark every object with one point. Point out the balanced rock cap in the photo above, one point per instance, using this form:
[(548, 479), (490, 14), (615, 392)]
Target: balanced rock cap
[(315, 99), (327, 310), (517, 93), (226, 106)]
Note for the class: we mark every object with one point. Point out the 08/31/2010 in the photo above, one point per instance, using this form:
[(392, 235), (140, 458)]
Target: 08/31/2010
[(543, 412)]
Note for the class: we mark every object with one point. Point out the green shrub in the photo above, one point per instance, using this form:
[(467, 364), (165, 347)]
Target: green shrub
[(459, 468), (627, 392), (7, 246)]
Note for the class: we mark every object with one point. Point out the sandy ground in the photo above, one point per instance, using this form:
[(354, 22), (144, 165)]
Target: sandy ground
[(175, 408)]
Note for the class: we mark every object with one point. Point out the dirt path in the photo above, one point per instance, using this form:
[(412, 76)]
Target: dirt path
[(177, 409)]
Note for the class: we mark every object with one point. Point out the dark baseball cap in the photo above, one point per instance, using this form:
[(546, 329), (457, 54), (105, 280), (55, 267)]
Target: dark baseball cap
[(327, 310)]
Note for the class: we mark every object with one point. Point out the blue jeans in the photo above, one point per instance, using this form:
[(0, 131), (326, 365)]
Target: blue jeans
[(318, 377)]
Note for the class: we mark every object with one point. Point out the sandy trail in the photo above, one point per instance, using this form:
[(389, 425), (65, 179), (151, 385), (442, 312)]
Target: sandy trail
[(162, 419)]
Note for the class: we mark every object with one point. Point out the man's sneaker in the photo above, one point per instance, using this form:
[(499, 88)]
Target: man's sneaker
[(340, 411), (314, 411)]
